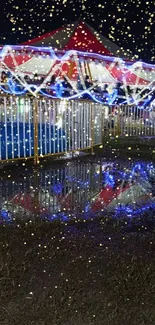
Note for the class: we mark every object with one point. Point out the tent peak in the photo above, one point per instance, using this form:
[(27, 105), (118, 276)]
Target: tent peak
[(79, 36)]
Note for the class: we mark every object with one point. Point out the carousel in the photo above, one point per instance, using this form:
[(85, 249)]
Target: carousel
[(76, 62), (60, 69)]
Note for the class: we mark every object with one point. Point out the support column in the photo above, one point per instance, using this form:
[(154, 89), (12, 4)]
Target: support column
[(35, 123), (92, 127), (89, 71), (71, 67)]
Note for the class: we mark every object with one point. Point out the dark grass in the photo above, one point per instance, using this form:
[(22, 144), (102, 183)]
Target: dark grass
[(88, 273)]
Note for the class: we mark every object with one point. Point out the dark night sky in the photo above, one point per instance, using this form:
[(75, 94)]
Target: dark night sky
[(129, 24)]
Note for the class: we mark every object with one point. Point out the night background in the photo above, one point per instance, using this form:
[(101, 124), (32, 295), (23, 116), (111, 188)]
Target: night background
[(127, 23)]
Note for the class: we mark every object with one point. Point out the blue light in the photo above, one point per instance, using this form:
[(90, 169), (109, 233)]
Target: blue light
[(109, 179), (12, 88), (139, 168), (5, 215), (12, 85), (113, 97), (87, 208), (132, 212), (5, 90), (64, 55), (72, 179), (76, 96), (55, 217), (57, 188)]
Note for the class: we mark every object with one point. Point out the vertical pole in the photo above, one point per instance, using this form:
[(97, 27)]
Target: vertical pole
[(100, 175), (36, 193), (102, 122), (71, 68), (35, 122), (89, 71), (6, 128), (92, 127), (85, 67), (118, 132)]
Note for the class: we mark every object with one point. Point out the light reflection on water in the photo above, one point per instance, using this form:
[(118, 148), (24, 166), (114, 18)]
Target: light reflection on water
[(79, 190)]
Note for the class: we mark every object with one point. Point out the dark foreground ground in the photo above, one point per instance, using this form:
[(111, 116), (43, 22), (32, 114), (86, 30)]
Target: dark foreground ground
[(91, 273)]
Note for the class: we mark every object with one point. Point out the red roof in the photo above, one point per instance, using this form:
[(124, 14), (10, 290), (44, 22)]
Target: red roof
[(79, 36)]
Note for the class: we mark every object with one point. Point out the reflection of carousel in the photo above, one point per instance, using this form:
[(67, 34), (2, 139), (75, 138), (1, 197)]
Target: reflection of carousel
[(74, 52), (88, 190), (71, 189), (129, 194), (124, 189), (32, 204)]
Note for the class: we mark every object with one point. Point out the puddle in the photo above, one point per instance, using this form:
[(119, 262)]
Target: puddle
[(79, 190)]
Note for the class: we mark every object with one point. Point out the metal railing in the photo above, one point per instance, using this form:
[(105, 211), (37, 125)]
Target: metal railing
[(39, 127), (129, 121)]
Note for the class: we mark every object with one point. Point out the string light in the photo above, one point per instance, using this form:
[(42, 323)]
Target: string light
[(123, 66)]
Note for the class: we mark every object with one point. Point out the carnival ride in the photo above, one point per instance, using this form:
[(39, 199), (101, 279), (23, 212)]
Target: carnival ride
[(39, 67)]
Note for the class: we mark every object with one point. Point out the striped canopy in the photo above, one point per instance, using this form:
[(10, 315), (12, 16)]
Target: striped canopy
[(77, 50), (81, 37)]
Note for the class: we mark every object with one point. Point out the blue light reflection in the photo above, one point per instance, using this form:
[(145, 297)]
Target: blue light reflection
[(81, 191)]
